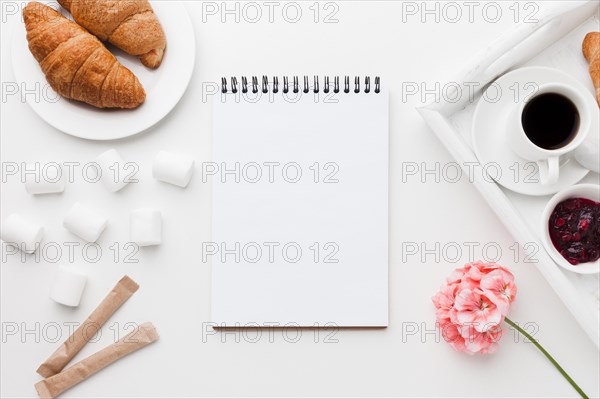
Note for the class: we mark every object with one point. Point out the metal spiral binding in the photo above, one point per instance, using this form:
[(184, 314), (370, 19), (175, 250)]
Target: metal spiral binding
[(295, 87)]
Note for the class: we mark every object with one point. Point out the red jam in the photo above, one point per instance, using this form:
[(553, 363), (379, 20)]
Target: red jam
[(575, 230)]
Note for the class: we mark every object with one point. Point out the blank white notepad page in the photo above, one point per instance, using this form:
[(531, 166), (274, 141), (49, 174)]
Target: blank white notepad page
[(300, 210)]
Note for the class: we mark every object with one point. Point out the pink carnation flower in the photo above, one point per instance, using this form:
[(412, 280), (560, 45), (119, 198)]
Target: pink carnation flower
[(471, 306)]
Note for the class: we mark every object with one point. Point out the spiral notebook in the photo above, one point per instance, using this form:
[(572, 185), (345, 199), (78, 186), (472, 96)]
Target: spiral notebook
[(300, 202)]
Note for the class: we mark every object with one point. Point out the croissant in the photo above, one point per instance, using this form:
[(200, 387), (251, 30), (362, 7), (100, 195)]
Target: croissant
[(76, 63), (130, 25), (591, 52)]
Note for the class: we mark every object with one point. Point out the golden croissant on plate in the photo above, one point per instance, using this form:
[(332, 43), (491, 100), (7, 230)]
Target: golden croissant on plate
[(591, 52), (130, 25), (76, 63)]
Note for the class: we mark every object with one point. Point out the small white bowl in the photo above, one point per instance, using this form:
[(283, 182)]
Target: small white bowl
[(590, 191)]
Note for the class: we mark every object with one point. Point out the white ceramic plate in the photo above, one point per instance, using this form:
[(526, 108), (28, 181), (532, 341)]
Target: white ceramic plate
[(589, 191), (489, 132), (164, 86)]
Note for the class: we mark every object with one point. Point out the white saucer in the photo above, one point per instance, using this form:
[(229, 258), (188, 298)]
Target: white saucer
[(489, 132), (164, 86)]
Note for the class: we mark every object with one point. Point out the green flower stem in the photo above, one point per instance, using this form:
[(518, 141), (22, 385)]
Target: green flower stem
[(554, 362)]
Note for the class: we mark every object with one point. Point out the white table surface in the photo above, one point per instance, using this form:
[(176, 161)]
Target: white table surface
[(369, 38)]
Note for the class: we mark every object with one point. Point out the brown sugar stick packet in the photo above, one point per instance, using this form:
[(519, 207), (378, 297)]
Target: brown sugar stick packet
[(51, 387), (86, 331)]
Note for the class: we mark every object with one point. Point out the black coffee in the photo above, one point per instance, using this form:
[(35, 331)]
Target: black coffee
[(550, 120)]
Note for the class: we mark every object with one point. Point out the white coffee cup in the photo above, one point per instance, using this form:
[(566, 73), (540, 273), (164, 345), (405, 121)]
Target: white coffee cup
[(548, 160)]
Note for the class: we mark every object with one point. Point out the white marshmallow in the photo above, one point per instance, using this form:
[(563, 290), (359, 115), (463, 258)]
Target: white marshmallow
[(68, 286), (48, 179), (171, 168), (146, 227), (84, 222), (22, 233), (114, 175)]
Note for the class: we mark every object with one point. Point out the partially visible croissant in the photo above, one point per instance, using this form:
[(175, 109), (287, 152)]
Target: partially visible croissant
[(130, 25), (76, 63), (591, 52)]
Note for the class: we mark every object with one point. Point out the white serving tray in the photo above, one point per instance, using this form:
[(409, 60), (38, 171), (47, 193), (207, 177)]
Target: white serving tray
[(554, 41)]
